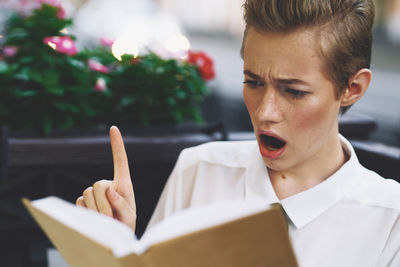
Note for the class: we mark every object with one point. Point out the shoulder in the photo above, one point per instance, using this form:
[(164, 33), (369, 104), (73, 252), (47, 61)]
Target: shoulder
[(375, 190), (228, 153), (370, 188)]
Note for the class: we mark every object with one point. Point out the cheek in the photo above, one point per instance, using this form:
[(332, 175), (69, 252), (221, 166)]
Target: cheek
[(249, 101), (306, 118), (314, 121)]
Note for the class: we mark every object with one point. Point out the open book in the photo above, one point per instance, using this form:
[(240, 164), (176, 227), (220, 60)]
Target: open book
[(224, 234)]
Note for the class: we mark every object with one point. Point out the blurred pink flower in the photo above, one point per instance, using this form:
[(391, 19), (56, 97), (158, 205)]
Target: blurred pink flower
[(105, 41), (62, 44), (61, 12), (101, 85), (9, 51), (97, 66)]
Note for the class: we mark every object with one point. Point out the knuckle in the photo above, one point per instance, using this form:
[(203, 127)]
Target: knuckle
[(103, 205), (102, 184), (78, 200), (87, 192)]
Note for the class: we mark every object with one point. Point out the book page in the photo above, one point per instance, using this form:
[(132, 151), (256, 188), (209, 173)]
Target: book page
[(201, 217), (121, 239), (103, 229)]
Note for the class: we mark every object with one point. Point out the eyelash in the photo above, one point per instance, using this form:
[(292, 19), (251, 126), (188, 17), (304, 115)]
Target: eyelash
[(253, 83), (296, 94)]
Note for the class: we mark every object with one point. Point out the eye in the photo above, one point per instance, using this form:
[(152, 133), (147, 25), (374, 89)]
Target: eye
[(253, 83), (295, 93)]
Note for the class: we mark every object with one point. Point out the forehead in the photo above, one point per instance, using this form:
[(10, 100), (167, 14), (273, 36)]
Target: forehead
[(292, 54)]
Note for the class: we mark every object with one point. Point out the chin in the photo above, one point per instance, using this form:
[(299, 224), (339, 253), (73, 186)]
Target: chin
[(275, 165)]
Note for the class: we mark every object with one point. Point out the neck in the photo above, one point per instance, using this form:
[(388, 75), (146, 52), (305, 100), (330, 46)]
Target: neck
[(310, 173)]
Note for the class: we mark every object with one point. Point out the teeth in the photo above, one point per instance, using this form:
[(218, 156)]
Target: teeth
[(272, 148)]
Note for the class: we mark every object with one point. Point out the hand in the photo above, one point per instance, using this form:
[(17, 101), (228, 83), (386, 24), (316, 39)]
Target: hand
[(113, 198)]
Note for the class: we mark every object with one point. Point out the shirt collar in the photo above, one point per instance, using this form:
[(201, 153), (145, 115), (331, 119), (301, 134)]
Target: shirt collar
[(305, 206)]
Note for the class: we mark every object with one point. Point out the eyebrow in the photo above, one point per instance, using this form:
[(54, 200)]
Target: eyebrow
[(252, 75), (292, 81), (287, 81)]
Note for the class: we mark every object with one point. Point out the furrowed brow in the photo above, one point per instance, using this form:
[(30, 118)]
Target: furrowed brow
[(252, 75), (292, 81)]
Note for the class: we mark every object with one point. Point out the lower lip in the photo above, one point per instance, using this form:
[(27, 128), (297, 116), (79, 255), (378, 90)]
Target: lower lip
[(269, 153)]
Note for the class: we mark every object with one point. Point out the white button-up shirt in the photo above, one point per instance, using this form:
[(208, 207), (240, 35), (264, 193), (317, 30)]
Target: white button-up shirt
[(350, 219)]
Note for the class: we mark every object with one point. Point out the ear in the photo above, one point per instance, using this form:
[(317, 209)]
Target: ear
[(357, 86)]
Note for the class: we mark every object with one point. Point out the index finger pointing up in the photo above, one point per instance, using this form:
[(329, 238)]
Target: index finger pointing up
[(122, 178)]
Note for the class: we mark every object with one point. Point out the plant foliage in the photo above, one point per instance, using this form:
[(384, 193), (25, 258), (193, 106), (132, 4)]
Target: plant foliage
[(46, 84)]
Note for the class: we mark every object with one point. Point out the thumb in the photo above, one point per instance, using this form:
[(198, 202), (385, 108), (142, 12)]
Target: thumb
[(122, 211)]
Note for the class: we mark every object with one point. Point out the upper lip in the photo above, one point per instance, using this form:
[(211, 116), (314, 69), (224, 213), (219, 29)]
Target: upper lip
[(270, 133)]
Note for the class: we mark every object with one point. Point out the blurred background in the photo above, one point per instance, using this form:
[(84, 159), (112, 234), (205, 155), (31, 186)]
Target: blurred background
[(169, 27), (216, 26), (218, 30)]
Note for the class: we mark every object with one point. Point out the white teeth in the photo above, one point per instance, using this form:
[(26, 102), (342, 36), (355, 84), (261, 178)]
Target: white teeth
[(272, 148)]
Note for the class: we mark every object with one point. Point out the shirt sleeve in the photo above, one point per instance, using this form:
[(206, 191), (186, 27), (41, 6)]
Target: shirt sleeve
[(390, 256)]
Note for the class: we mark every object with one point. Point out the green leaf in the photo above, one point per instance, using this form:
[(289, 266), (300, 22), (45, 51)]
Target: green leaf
[(55, 90), (66, 107), (73, 109), (26, 93), (171, 102), (181, 94), (68, 122), (3, 67), (17, 34), (47, 125), (51, 78), (126, 101), (23, 75), (34, 75), (27, 60), (178, 116), (61, 106), (76, 63)]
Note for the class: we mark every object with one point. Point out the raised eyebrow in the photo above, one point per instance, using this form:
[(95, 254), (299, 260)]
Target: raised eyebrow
[(252, 75)]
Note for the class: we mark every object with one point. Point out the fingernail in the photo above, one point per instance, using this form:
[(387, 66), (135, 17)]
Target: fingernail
[(113, 193)]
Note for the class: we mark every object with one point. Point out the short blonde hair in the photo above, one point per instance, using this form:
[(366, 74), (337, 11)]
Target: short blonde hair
[(343, 27)]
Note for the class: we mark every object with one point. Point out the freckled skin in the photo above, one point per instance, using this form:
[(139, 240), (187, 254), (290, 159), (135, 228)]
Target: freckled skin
[(308, 123)]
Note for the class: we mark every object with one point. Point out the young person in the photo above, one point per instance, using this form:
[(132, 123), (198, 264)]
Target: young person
[(305, 61)]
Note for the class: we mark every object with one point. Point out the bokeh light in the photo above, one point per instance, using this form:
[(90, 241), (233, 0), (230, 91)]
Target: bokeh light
[(177, 43), (125, 44), (52, 45)]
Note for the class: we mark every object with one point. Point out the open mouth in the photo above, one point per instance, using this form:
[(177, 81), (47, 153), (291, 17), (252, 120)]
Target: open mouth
[(272, 143)]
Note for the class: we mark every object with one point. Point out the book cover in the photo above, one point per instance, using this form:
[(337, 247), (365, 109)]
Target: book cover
[(230, 234)]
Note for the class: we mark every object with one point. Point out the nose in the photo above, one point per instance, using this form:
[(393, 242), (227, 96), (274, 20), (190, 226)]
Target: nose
[(270, 107)]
